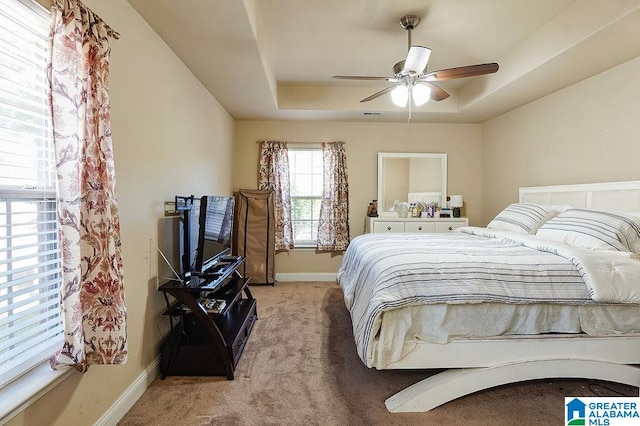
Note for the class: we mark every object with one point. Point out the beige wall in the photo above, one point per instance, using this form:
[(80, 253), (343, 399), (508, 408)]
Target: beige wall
[(589, 132), (364, 140), (160, 114)]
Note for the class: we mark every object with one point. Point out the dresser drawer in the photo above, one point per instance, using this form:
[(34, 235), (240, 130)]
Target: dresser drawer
[(419, 227), (379, 226), (448, 226), (414, 225)]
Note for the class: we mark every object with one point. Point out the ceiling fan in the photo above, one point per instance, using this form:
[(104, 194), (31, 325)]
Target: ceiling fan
[(412, 81)]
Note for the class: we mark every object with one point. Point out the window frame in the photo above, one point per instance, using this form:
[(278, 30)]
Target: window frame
[(36, 377), (316, 148)]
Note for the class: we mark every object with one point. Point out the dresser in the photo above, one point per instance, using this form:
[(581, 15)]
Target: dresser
[(410, 224)]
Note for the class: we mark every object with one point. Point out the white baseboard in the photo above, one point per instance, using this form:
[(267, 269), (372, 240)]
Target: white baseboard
[(129, 397), (306, 276)]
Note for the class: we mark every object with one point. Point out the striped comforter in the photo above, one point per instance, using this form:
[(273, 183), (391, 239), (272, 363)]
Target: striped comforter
[(380, 272)]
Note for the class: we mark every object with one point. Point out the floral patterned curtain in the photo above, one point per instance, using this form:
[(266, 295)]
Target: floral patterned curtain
[(274, 175), (92, 294), (333, 229)]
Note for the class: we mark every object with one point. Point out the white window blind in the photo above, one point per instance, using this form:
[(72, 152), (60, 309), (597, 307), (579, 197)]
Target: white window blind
[(306, 180), (30, 269)]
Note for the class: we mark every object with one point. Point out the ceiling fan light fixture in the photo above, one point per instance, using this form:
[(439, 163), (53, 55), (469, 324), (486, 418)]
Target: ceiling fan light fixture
[(400, 95), (420, 94), (417, 59)]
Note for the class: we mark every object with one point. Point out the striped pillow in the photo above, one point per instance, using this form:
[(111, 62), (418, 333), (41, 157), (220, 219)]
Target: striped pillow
[(593, 229), (523, 218)]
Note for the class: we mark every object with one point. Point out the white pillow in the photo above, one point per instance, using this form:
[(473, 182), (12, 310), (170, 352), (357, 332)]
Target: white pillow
[(594, 229), (524, 218)]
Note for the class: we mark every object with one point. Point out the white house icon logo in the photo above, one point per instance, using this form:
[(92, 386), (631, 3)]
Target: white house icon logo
[(602, 411), (575, 410)]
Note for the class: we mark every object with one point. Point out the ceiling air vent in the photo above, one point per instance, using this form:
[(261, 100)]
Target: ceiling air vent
[(371, 113)]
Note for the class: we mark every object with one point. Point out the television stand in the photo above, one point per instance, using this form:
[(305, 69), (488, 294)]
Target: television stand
[(210, 322)]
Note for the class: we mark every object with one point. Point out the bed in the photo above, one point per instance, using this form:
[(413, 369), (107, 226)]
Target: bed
[(550, 289)]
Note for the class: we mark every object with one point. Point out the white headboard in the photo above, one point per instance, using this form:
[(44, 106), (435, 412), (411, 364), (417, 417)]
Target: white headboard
[(621, 196)]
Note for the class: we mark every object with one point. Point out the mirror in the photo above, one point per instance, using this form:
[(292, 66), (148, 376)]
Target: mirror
[(411, 177)]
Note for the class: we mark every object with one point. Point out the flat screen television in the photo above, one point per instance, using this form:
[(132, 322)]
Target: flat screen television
[(215, 231)]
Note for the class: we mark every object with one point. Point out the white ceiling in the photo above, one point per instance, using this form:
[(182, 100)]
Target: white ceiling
[(273, 59)]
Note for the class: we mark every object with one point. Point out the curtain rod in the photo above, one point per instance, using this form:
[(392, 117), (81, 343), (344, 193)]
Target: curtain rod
[(306, 142)]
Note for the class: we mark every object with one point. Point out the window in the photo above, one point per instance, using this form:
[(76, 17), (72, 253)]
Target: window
[(306, 179), (30, 267)]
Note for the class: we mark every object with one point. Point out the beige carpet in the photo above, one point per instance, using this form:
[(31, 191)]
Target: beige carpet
[(300, 367)]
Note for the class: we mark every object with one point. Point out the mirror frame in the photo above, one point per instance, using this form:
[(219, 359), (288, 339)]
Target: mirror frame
[(383, 155)]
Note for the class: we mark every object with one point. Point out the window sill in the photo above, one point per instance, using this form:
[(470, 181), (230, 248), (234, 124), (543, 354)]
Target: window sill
[(307, 246), (22, 392)]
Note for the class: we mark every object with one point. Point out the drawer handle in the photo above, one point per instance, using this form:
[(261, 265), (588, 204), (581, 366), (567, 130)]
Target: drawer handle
[(388, 228), (419, 228), (451, 228)]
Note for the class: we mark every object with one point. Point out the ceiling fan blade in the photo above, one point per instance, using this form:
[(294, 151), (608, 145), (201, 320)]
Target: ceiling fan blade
[(378, 94), (460, 72), (361, 77), (437, 94), (417, 59)]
